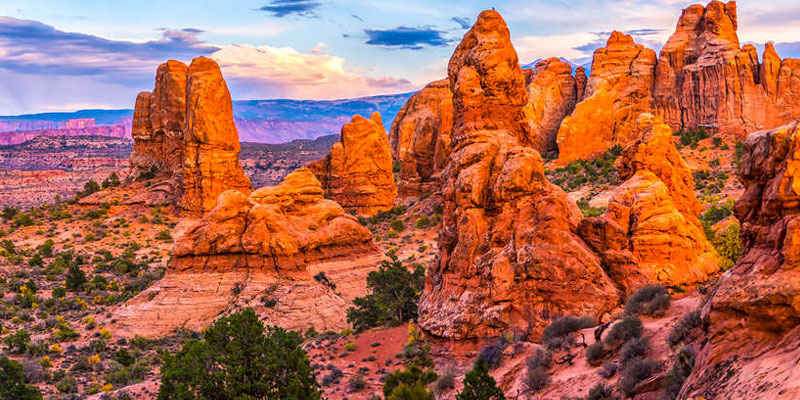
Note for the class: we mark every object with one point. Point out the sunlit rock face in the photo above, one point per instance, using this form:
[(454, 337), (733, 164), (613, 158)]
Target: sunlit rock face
[(705, 79), (357, 173), (184, 131), (651, 232), (619, 88), (509, 256)]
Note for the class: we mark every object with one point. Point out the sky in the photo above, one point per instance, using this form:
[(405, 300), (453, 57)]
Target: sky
[(66, 55)]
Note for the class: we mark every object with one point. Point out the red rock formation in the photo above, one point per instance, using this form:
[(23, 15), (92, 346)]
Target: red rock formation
[(553, 93), (754, 313), (651, 232), (420, 139), (185, 129), (283, 227), (509, 257), (705, 80), (619, 89), (580, 81), (358, 171)]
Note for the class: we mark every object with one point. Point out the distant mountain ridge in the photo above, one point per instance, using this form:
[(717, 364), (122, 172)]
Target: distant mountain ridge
[(260, 121)]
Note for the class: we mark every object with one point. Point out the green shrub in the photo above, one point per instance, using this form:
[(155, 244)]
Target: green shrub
[(595, 353), (401, 382), (563, 326), (18, 341), (600, 392), (13, 383), (536, 375), (728, 244), (398, 225), (632, 349), (111, 181), (68, 385), (479, 385), (636, 371), (680, 370), (164, 236)]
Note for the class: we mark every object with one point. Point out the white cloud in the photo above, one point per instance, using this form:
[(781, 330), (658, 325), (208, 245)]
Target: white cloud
[(266, 72)]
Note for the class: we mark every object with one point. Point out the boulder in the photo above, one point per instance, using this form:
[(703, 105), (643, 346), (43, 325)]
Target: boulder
[(358, 172)]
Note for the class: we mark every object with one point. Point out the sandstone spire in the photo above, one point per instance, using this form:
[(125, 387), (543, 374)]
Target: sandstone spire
[(509, 257), (358, 171), (618, 90), (651, 232), (553, 93), (184, 129), (420, 138)]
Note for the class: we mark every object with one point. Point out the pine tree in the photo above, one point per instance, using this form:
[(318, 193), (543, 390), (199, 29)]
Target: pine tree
[(479, 385)]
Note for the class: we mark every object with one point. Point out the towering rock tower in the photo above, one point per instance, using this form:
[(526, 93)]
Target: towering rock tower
[(184, 134)]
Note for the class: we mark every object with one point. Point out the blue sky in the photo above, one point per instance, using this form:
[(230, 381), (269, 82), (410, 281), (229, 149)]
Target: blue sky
[(66, 55)]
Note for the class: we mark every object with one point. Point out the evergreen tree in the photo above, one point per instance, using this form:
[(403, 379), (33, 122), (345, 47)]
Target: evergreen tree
[(479, 385), (13, 384), (394, 291), (237, 360)]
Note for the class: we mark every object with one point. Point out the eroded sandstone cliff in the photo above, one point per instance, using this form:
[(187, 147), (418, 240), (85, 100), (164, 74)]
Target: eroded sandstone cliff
[(283, 227), (754, 312), (618, 90), (553, 93), (651, 232), (358, 172), (704, 79), (509, 255)]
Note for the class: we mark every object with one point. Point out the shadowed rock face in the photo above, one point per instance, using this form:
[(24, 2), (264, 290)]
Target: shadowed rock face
[(651, 232), (553, 93), (420, 139), (704, 79), (184, 128), (618, 90), (358, 171), (281, 227), (509, 255), (754, 312)]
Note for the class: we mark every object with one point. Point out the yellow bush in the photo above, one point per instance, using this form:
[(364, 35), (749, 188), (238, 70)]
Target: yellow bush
[(55, 348), (107, 388), (105, 333), (94, 359)]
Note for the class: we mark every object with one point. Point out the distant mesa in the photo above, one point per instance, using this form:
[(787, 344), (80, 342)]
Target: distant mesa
[(358, 172), (183, 131)]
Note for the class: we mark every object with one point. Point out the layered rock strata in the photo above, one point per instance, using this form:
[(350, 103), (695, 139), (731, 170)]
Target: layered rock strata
[(705, 79)]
